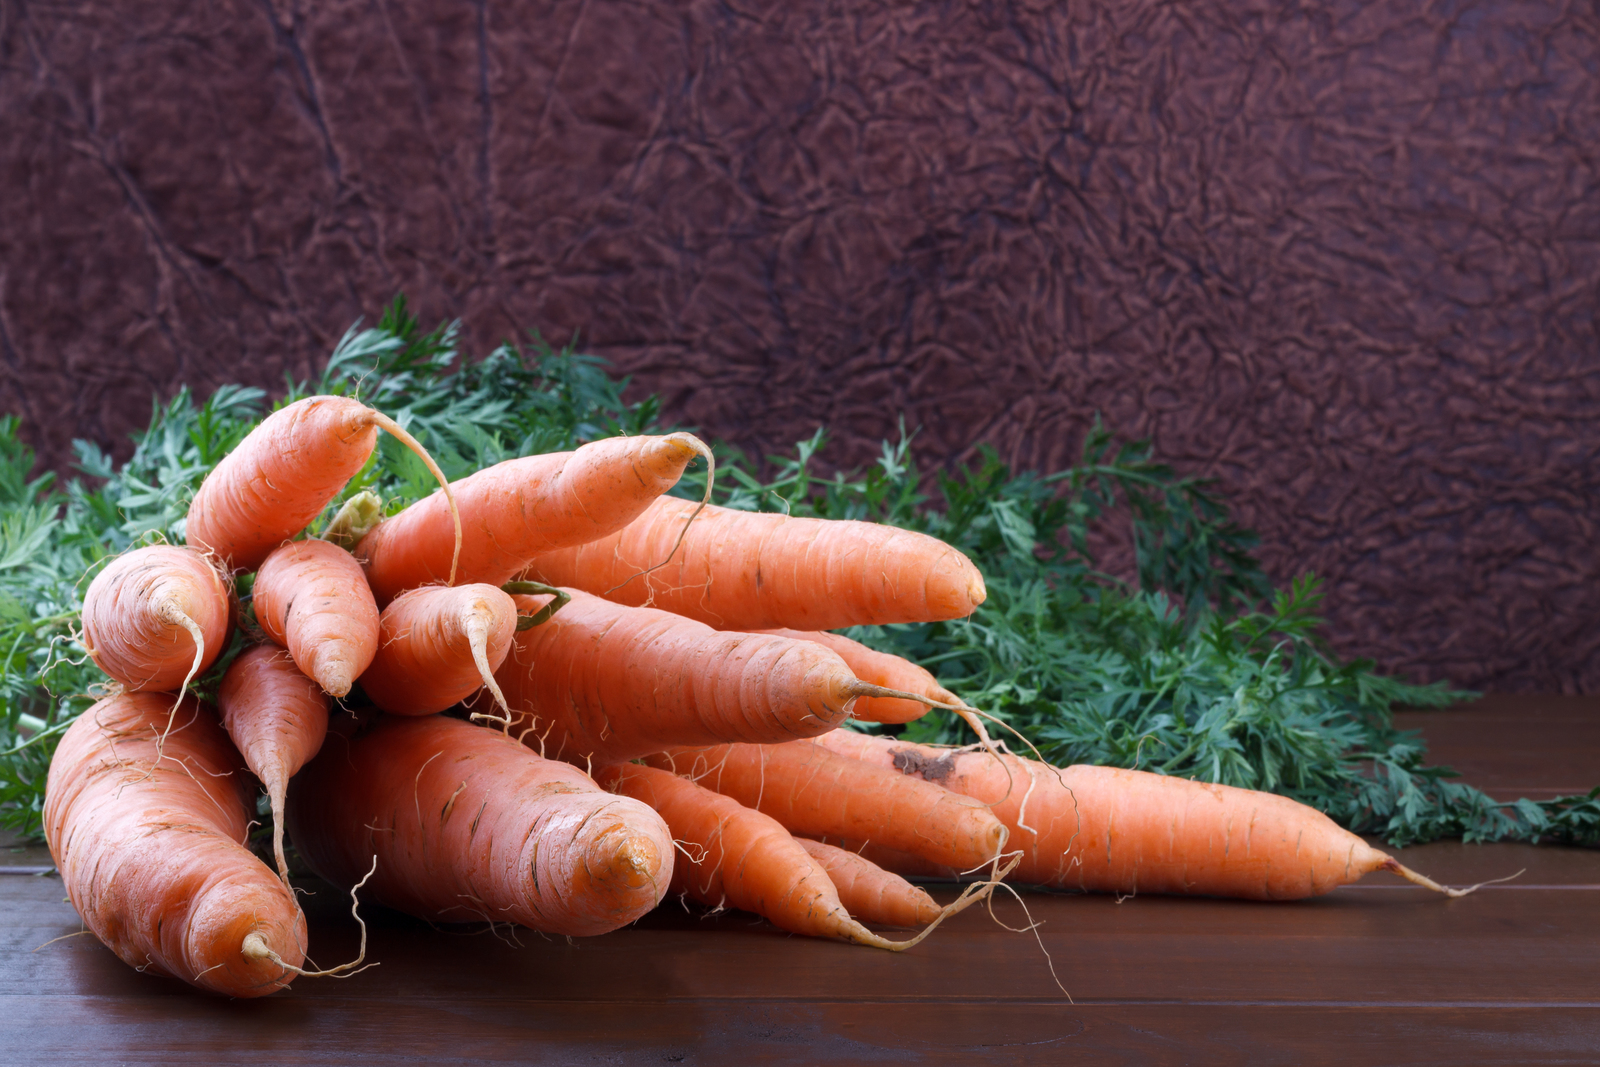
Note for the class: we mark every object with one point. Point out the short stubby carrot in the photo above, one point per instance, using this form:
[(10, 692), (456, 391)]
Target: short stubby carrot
[(1119, 831), (742, 570), (277, 718), (468, 825), (283, 474), (438, 645), (737, 856), (817, 793), (311, 598), (514, 510), (606, 682), (157, 616), (149, 837), (870, 893), (880, 668)]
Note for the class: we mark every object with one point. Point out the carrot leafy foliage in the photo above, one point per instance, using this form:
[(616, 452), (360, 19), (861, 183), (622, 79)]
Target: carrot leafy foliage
[(1184, 661)]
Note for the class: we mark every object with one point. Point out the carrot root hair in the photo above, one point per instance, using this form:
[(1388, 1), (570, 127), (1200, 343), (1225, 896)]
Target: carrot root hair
[(401, 434), (255, 946), (1393, 865), (477, 627), (970, 895)]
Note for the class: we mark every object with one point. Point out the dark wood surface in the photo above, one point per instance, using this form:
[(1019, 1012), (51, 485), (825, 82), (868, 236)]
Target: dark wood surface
[(1376, 973)]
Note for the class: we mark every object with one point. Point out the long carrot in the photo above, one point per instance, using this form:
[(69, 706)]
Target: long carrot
[(879, 668), (741, 570), (311, 597), (284, 473), (155, 617), (438, 645), (870, 893), (148, 836), (608, 683), (466, 825), (1112, 830), (517, 509), (277, 718), (815, 792), (736, 855)]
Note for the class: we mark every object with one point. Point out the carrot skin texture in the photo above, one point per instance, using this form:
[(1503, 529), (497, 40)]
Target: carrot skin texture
[(150, 849), (737, 856), (869, 892), (277, 718), (514, 510), (814, 792), (882, 669), (129, 623), (312, 598), (279, 478), (741, 570), (424, 662), (1118, 831), (468, 825), (610, 683)]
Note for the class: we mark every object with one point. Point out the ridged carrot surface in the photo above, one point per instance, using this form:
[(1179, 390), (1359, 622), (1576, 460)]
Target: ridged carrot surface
[(818, 793), (438, 645), (282, 475), (870, 893), (607, 682), (147, 614), (741, 570), (311, 598), (1112, 830), (739, 857), (277, 718), (879, 668), (467, 825), (514, 510), (150, 847)]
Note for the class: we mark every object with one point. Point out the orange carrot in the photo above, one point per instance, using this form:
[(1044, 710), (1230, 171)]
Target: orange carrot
[(283, 474), (517, 509), (466, 824), (277, 718), (610, 683), (879, 668), (814, 792), (155, 617), (438, 645), (741, 570), (738, 856), (1111, 830), (311, 598), (869, 892), (148, 836)]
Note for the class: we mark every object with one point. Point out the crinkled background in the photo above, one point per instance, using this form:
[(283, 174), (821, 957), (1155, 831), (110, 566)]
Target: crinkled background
[(1344, 257)]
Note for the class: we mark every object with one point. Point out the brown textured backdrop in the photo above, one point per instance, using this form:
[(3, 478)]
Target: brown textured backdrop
[(1343, 257)]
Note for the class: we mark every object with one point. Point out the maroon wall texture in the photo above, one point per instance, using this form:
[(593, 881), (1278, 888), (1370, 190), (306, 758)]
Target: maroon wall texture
[(1345, 257)]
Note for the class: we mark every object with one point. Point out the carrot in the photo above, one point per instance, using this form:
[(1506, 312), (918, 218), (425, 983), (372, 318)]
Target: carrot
[(148, 836), (156, 616), (814, 792), (281, 476), (736, 855), (467, 824), (517, 509), (311, 598), (740, 570), (1120, 831), (869, 892), (277, 718), (609, 683), (879, 668), (438, 645)]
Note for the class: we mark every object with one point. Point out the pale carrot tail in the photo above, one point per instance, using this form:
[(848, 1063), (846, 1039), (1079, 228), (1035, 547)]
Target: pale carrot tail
[(255, 946), (972, 894), (378, 418), (276, 794), (1393, 865), (478, 622)]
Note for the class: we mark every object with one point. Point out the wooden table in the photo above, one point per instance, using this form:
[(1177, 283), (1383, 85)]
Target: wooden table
[(1377, 973)]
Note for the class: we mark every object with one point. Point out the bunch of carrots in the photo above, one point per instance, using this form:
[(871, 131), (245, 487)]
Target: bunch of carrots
[(640, 697)]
